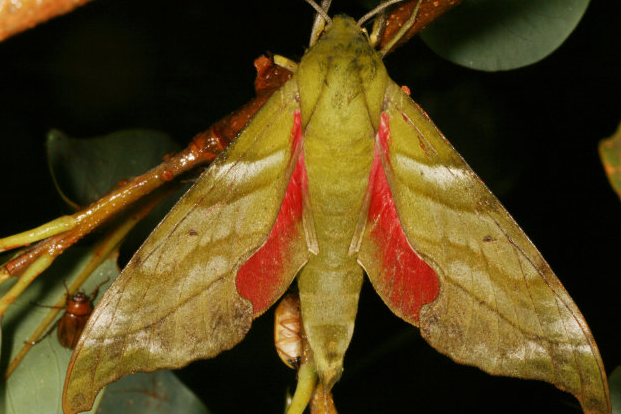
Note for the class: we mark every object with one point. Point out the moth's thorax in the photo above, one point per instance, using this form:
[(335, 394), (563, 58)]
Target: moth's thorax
[(342, 72)]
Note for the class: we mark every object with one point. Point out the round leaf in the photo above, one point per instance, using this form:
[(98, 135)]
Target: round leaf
[(86, 169), (159, 392), (495, 35), (36, 384), (615, 390)]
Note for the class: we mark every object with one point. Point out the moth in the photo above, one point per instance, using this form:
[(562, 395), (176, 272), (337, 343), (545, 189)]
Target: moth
[(340, 174)]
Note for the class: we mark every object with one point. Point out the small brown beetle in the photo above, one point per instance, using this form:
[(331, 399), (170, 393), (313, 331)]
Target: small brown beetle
[(78, 309)]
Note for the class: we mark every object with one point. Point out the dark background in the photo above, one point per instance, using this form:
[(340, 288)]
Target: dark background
[(531, 134)]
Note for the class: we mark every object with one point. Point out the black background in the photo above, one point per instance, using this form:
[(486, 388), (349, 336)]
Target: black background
[(531, 134)]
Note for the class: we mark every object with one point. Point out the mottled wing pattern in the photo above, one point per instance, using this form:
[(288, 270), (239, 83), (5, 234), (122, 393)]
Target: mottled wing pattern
[(176, 300), (499, 306)]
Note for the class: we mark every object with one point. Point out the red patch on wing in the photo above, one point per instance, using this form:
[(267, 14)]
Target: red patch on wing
[(406, 281), (260, 279)]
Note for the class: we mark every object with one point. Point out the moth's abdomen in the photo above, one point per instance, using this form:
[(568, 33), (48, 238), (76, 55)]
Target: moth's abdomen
[(330, 282), (329, 302)]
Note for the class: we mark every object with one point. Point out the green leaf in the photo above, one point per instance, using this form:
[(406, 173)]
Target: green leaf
[(614, 382), (495, 35), (610, 153), (37, 383), (152, 393), (85, 169)]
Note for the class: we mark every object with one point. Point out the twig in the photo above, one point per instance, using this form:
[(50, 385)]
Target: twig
[(17, 16), (400, 13), (104, 248)]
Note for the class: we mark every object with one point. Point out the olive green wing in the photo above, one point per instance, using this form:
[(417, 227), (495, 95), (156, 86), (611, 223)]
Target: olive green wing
[(480, 291), (181, 297)]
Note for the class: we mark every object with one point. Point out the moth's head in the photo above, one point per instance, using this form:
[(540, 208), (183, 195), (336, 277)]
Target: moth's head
[(324, 24), (341, 63), (341, 27)]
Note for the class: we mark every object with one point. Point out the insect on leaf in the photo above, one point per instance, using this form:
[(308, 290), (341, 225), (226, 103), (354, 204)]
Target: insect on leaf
[(340, 171), (47, 359)]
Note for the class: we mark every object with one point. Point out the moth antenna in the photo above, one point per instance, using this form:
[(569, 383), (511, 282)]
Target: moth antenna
[(320, 20), (377, 10), (402, 31)]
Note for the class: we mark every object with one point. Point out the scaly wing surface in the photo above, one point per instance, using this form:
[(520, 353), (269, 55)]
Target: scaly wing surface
[(445, 255), (228, 249)]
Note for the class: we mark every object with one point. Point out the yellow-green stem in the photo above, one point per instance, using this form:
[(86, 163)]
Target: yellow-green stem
[(102, 250), (27, 277), (4, 275), (44, 231), (307, 377)]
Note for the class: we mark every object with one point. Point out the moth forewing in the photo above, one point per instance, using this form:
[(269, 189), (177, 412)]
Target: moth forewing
[(497, 294), (178, 299)]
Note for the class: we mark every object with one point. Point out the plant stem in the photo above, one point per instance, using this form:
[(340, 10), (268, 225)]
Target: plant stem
[(307, 377), (44, 231)]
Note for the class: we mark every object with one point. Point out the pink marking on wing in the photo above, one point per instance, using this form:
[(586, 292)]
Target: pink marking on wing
[(260, 279), (407, 282)]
